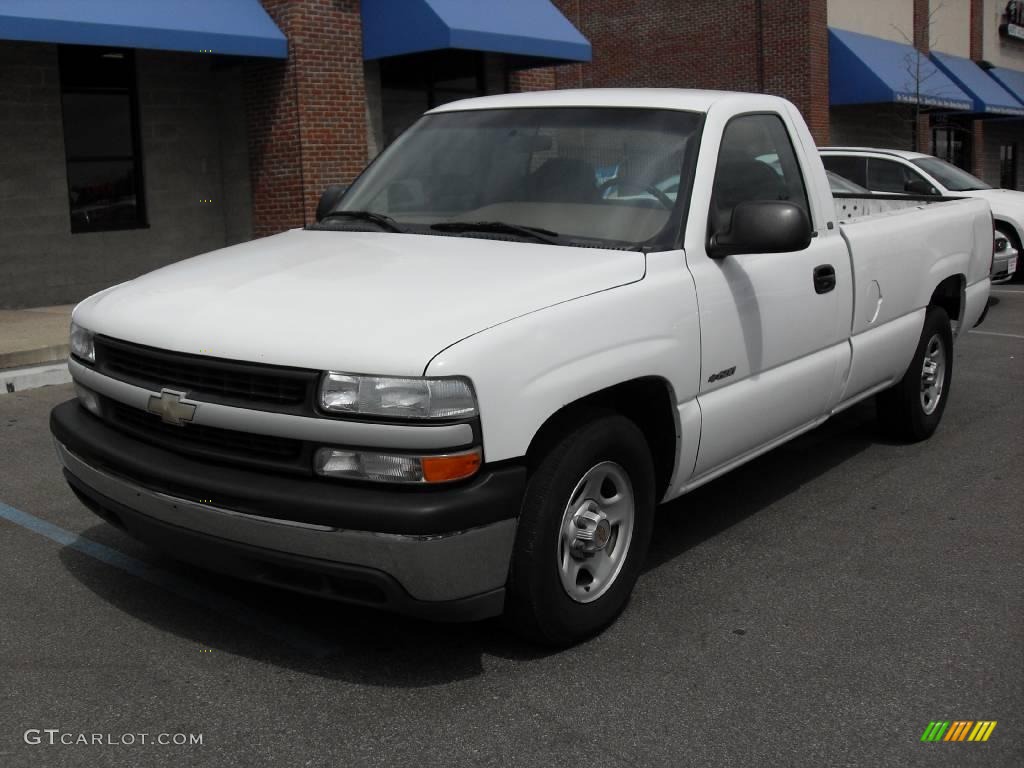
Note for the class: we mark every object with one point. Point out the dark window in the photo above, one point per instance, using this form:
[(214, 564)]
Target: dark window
[(1008, 166), (853, 168), (890, 176), (756, 161), (410, 85), (952, 143), (101, 138)]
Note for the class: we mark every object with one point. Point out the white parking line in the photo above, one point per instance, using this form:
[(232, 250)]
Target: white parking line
[(1004, 335), (178, 585)]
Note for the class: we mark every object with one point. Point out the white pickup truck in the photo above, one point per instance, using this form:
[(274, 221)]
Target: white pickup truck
[(465, 389), (893, 171)]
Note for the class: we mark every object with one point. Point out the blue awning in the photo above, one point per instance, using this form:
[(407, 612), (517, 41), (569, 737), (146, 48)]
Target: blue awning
[(988, 96), (533, 28), (870, 70), (232, 27), (1011, 79)]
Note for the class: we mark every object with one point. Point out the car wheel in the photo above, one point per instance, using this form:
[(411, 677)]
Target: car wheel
[(583, 532), (912, 409)]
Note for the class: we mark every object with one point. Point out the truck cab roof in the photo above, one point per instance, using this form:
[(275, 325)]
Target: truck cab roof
[(901, 153), (684, 99)]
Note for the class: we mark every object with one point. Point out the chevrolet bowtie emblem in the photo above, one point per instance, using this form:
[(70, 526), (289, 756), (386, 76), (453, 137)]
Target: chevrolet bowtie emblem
[(171, 407)]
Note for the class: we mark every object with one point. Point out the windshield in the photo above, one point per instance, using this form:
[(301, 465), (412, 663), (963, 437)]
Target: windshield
[(948, 175), (602, 176)]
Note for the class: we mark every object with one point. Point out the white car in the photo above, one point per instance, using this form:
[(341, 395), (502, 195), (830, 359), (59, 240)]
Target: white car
[(465, 389), (900, 172)]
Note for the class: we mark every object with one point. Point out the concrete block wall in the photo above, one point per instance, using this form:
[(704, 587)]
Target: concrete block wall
[(190, 123)]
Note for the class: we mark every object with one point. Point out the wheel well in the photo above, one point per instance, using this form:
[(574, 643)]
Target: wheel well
[(949, 295), (648, 402), (1010, 231)]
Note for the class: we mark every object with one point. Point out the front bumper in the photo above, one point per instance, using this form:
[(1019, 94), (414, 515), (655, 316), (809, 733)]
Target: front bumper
[(1004, 265), (435, 553)]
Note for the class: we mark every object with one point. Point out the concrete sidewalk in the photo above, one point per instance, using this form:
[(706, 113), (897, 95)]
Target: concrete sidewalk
[(33, 347)]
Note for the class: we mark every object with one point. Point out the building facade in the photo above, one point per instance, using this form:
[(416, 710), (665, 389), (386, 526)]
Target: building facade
[(794, 48), (135, 140)]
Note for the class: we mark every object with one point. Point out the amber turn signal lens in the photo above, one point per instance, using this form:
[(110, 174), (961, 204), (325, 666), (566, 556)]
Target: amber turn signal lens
[(444, 469)]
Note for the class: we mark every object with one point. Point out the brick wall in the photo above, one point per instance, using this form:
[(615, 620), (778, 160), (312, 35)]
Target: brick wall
[(540, 79), (771, 46), (189, 153), (307, 115), (795, 58), (922, 41), (977, 54), (997, 133), (873, 125)]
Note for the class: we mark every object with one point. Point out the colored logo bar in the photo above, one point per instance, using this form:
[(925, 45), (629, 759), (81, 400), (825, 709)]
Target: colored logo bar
[(958, 730)]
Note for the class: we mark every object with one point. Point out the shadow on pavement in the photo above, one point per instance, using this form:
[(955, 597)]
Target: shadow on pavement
[(707, 511), (370, 647)]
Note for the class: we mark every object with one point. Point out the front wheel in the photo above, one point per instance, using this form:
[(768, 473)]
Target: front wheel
[(583, 532), (912, 409)]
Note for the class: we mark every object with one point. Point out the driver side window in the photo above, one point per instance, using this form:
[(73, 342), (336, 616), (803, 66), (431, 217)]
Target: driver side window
[(890, 176), (756, 161)]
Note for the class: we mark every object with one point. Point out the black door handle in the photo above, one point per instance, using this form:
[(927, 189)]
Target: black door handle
[(824, 278)]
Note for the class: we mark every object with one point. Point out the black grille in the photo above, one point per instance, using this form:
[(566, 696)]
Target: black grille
[(276, 453), (227, 381)]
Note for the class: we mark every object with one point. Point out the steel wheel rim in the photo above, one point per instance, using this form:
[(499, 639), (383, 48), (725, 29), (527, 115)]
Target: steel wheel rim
[(933, 374), (596, 531)]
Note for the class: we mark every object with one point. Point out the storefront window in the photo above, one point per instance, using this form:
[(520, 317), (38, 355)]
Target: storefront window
[(1008, 166), (101, 139), (952, 144), (410, 85)]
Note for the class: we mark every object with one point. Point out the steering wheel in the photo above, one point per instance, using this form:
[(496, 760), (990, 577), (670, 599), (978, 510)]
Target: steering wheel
[(666, 202)]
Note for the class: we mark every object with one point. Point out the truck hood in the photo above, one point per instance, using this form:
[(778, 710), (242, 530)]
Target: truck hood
[(365, 302)]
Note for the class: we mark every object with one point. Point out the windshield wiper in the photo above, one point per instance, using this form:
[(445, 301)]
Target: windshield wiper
[(377, 218), (501, 227)]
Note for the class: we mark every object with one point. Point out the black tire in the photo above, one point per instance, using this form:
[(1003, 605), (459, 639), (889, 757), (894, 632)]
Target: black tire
[(902, 414), (537, 606)]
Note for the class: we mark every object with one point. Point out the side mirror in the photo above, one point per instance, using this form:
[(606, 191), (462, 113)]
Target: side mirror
[(330, 198), (763, 226), (920, 187)]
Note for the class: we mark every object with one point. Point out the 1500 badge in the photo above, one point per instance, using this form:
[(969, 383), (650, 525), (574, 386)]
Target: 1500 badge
[(721, 375)]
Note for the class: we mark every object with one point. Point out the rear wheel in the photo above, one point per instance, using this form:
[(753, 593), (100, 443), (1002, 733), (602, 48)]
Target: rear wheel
[(583, 532), (912, 409)]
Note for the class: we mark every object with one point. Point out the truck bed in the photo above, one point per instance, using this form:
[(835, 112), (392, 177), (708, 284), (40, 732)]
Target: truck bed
[(857, 206), (904, 253)]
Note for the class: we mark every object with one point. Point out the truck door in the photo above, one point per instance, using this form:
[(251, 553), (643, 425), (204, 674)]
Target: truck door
[(773, 326)]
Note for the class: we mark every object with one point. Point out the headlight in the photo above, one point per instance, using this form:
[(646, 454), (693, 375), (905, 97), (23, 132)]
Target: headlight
[(82, 343), (396, 468), (421, 398)]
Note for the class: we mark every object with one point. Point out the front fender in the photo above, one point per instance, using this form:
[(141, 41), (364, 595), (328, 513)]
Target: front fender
[(529, 368)]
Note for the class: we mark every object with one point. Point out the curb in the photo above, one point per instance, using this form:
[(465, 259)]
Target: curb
[(39, 357), (32, 377)]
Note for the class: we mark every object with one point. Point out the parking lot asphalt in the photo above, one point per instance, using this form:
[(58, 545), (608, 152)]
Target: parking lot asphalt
[(817, 607)]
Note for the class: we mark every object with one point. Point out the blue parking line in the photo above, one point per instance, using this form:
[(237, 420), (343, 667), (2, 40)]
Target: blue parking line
[(181, 586)]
